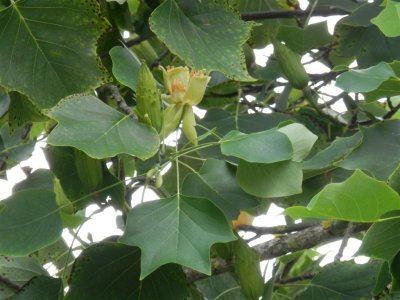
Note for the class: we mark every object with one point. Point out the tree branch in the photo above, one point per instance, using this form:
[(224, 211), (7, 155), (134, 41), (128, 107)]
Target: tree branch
[(305, 239), (286, 14), (278, 229)]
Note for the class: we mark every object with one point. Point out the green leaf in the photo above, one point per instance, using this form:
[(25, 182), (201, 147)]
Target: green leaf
[(389, 18), (204, 34), (223, 286), (14, 146), (302, 40), (42, 55), (29, 221), (301, 138), (182, 230), (41, 287), (335, 152), (125, 66), (23, 111), (247, 268), (382, 240), (216, 182), (358, 199), (110, 270), (365, 80), (379, 151), (361, 42), (344, 281), (18, 270), (270, 180), (86, 123), (262, 147)]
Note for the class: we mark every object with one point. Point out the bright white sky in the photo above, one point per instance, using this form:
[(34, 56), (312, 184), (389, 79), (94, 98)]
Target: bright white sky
[(103, 224)]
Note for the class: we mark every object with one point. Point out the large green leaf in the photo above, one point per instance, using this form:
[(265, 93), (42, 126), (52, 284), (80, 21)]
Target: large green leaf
[(270, 180), (29, 221), (125, 66), (182, 230), (358, 199), (204, 34), (48, 48), (262, 147), (302, 40), (216, 181), (111, 271), (388, 20), (365, 80), (378, 152), (343, 281), (383, 239), (86, 123), (41, 287)]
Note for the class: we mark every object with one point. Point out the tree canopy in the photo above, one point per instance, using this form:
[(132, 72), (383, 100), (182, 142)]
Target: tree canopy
[(166, 95)]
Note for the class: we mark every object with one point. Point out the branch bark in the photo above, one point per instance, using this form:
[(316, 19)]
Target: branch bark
[(305, 239), (286, 14)]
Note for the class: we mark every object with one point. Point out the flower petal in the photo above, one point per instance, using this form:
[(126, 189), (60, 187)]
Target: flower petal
[(196, 90)]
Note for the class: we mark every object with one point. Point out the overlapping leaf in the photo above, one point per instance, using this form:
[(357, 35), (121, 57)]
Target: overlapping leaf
[(86, 123), (388, 19), (48, 48), (345, 280), (270, 180), (182, 230), (216, 181), (110, 270), (125, 66), (261, 147), (358, 199), (204, 34), (379, 151)]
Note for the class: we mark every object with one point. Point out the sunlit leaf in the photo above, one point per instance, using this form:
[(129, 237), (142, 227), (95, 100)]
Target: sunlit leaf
[(358, 199), (389, 18)]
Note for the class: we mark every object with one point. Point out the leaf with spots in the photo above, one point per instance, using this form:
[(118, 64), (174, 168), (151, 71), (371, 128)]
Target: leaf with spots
[(204, 34), (88, 124), (182, 230), (48, 48)]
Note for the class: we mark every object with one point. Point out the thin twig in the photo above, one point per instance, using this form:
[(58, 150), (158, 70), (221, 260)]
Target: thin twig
[(262, 15), (122, 105), (390, 113), (157, 61), (345, 240), (135, 41), (296, 278)]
